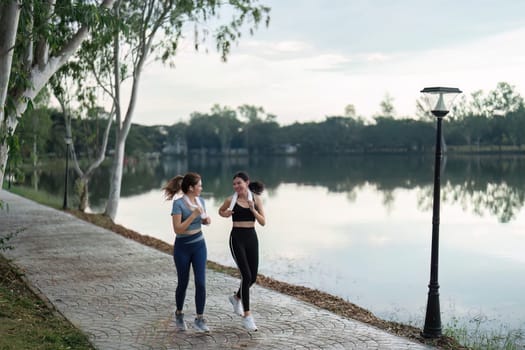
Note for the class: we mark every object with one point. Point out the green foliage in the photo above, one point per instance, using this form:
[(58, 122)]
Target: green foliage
[(41, 25), (4, 240), (476, 338), (49, 199)]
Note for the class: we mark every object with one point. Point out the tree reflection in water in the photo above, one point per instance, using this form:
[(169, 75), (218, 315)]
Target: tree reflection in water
[(485, 185)]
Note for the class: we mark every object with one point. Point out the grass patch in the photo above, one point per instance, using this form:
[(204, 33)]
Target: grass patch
[(26, 322), (478, 338), (48, 199)]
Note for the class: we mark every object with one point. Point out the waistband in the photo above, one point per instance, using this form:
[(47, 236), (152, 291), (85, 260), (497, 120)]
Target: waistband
[(244, 230), (188, 239)]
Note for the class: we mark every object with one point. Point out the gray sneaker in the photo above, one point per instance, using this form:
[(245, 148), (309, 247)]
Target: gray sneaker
[(201, 325), (237, 305), (179, 322)]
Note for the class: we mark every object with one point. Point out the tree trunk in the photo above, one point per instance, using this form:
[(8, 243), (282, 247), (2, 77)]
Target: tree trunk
[(123, 128), (9, 15), (116, 178), (83, 194), (3, 158)]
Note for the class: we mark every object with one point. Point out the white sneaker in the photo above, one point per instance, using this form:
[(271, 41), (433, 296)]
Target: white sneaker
[(249, 323), (237, 305)]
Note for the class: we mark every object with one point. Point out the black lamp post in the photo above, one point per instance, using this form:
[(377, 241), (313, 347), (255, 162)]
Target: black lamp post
[(68, 142), (439, 100)]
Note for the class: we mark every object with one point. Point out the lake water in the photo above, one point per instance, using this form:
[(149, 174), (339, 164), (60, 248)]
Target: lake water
[(360, 227)]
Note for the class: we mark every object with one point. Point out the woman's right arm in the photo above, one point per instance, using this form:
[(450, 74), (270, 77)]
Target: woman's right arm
[(223, 210), (180, 226)]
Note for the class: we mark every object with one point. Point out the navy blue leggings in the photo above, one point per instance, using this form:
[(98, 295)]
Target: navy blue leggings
[(190, 251), (244, 247)]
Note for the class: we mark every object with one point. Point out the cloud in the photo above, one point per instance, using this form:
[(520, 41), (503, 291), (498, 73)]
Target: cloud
[(298, 81)]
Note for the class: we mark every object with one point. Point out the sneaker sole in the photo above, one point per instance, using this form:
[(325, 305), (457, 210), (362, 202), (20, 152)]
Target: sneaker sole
[(201, 330)]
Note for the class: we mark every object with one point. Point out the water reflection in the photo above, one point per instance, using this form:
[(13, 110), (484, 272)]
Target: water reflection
[(485, 185)]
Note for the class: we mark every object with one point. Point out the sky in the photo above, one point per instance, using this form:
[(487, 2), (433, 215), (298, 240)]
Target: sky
[(318, 56)]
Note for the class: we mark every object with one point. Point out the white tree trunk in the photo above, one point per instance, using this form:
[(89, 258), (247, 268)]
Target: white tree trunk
[(115, 183), (3, 158), (9, 15), (120, 148), (123, 127), (39, 74)]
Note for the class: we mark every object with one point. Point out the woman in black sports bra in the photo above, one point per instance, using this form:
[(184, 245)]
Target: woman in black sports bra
[(245, 207)]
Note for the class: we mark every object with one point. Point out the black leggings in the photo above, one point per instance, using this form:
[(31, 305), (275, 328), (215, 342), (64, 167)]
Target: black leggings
[(244, 247)]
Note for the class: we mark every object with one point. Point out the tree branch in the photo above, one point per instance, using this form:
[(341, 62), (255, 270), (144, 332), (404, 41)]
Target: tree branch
[(42, 46), (41, 75)]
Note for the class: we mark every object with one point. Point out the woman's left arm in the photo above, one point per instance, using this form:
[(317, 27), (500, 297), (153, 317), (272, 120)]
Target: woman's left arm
[(259, 212)]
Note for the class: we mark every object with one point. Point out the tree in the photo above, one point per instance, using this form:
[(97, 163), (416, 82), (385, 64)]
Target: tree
[(226, 126), (516, 121), (422, 110), (503, 100), (84, 176), (33, 128), (251, 114), (201, 133), (350, 111), (253, 117), (66, 94), (36, 39), (387, 106), (152, 29)]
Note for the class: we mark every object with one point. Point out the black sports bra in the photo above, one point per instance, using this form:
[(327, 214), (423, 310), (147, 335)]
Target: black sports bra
[(242, 214)]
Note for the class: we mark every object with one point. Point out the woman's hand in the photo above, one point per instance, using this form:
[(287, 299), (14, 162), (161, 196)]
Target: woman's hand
[(198, 211), (224, 210)]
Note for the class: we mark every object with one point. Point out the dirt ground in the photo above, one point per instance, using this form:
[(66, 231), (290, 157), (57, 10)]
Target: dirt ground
[(323, 300)]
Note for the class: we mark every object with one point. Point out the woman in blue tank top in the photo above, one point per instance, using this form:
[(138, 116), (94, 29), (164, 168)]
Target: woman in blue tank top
[(188, 214)]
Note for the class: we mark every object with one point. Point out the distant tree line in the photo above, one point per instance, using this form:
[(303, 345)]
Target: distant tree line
[(494, 121)]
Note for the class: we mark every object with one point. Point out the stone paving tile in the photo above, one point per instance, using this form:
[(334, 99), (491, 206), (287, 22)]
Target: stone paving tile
[(121, 293)]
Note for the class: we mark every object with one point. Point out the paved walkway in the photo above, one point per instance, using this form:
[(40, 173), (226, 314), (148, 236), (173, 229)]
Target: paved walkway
[(121, 293)]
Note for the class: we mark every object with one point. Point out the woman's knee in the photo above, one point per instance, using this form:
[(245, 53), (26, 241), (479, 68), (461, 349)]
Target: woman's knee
[(200, 282), (246, 276)]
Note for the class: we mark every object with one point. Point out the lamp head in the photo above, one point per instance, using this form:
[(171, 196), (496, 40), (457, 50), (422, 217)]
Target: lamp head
[(439, 99)]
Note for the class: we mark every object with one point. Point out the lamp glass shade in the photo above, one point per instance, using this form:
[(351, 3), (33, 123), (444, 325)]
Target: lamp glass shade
[(440, 99)]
